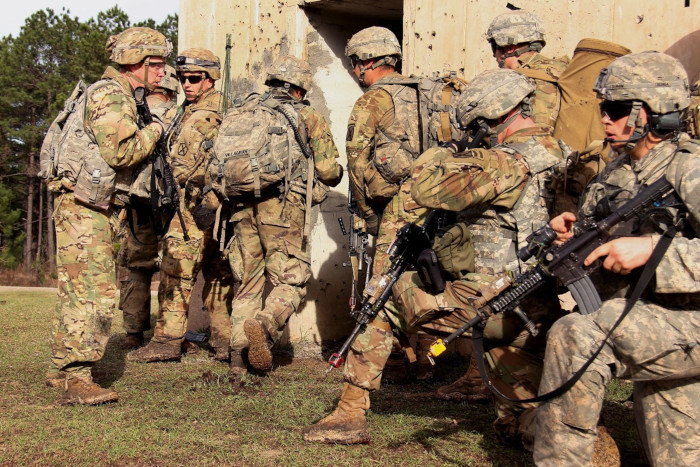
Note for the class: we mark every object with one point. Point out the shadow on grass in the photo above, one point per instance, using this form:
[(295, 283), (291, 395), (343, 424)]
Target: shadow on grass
[(111, 367)]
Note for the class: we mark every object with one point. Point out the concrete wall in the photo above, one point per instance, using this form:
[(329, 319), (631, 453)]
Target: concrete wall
[(437, 35)]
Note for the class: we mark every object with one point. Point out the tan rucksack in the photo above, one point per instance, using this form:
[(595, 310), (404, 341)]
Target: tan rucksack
[(579, 118)]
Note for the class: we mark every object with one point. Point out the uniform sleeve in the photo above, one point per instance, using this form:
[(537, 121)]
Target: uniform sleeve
[(111, 116), (455, 182), (328, 170), (373, 110), (678, 270)]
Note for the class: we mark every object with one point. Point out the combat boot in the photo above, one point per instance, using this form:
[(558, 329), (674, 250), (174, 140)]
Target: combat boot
[(236, 367), (259, 344), (220, 354), (605, 451), (133, 340), (156, 352), (347, 423), (470, 387), (424, 368), (55, 378), (83, 391)]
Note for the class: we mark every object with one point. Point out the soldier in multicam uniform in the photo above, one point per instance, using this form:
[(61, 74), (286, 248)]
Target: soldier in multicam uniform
[(516, 39), (139, 253), (502, 195), (656, 346), (189, 147), (272, 241), (84, 229), (382, 141)]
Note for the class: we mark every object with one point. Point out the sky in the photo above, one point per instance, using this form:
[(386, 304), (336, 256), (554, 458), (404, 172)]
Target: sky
[(14, 12)]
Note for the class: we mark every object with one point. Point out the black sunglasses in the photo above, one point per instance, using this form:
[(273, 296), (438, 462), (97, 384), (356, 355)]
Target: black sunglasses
[(354, 61), (615, 110), (193, 79)]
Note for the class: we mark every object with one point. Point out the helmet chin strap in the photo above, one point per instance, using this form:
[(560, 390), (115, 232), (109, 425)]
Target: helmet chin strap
[(515, 53), (501, 127), (143, 81)]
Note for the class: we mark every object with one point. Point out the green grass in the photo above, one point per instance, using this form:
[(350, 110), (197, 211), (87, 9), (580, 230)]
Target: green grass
[(189, 414)]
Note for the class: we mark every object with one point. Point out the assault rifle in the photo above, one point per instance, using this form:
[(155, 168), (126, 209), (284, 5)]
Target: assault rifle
[(564, 262), (165, 193), (410, 242), (357, 249)]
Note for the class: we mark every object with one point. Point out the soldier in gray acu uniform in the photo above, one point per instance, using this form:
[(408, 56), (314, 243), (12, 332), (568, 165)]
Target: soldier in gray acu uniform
[(656, 346)]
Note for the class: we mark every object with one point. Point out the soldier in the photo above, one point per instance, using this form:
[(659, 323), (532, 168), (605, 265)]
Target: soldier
[(139, 253), (85, 209), (383, 139), (503, 197), (271, 230), (516, 39), (189, 146), (656, 346)]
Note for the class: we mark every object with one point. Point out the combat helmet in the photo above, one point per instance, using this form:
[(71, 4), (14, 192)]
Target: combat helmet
[(198, 59), (134, 45), (652, 78), (374, 42), (169, 81), (290, 70), (491, 95), (516, 27)]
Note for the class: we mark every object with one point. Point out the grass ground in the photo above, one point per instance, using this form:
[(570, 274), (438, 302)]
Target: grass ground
[(189, 414)]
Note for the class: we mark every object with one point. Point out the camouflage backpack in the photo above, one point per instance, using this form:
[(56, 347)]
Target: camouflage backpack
[(438, 95), (70, 155), (257, 147)]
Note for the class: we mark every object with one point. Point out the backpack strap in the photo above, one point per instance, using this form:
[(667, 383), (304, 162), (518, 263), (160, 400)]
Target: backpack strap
[(536, 74)]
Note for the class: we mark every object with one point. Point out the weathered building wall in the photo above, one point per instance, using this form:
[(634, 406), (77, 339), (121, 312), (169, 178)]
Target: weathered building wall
[(437, 35)]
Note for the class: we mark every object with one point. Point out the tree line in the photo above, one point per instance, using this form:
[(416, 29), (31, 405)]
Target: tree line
[(39, 69)]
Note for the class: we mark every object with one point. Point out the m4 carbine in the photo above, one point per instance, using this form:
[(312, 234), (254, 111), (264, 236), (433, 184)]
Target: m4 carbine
[(410, 241), (165, 195), (564, 262)]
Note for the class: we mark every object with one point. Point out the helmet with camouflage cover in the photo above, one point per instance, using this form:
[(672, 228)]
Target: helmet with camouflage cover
[(169, 81), (491, 95), (134, 45), (374, 42), (516, 27), (290, 70), (654, 78), (198, 59)]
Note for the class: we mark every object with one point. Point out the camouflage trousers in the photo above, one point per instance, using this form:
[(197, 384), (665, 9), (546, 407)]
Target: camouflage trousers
[(181, 263), (412, 310), (401, 210), (655, 347), (268, 244), (86, 284), (138, 253)]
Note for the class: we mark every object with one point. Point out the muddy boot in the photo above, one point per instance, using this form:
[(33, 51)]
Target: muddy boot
[(469, 387), (220, 354), (83, 391), (347, 423), (55, 378), (156, 352), (133, 340), (236, 367), (605, 452), (259, 344), (189, 348)]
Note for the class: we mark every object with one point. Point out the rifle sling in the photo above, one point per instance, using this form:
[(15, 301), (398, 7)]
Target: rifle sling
[(647, 274)]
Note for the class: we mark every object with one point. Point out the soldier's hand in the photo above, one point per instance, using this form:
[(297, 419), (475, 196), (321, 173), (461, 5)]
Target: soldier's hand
[(623, 254), (563, 226)]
